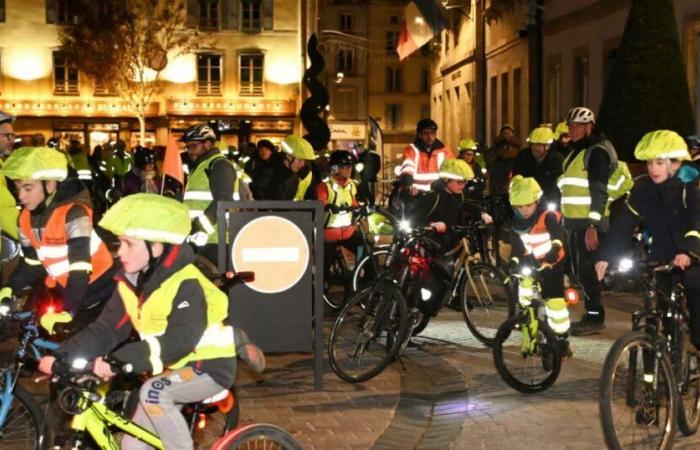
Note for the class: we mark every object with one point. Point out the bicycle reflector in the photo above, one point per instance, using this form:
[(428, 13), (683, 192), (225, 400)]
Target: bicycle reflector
[(571, 296), (202, 421)]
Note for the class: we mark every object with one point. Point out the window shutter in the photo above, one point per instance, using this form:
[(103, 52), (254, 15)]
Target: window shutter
[(266, 7), (229, 14), (192, 13), (51, 11)]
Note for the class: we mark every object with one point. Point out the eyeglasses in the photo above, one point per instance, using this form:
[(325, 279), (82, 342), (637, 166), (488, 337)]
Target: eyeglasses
[(9, 136)]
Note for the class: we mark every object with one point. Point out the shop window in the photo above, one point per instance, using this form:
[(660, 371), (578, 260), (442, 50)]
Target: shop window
[(209, 14), (251, 74), (65, 76), (208, 74)]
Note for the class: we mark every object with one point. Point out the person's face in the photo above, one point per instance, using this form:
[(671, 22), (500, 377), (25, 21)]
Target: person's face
[(660, 170), (694, 150), (7, 137), (344, 171), (506, 133), (578, 131), (150, 167), (197, 148), (265, 153), (526, 211), (468, 156), (31, 192), (297, 164), (539, 150), (455, 186), (133, 253), (428, 137)]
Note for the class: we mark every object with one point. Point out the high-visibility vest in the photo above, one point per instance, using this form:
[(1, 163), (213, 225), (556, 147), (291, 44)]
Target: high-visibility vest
[(52, 249), (341, 197), (117, 166), (81, 165), (198, 196), (150, 318), (537, 240), (424, 167), (302, 187)]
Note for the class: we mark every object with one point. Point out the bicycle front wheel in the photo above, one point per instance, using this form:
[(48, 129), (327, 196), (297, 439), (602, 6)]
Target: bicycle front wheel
[(526, 368), (364, 273), (689, 402), (485, 301), (637, 397), (257, 436), (24, 426), (368, 333)]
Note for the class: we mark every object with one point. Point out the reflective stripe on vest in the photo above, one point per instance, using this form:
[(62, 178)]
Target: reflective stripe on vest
[(575, 192), (150, 318), (537, 241), (342, 197), (423, 167), (557, 315), (198, 196), (52, 250)]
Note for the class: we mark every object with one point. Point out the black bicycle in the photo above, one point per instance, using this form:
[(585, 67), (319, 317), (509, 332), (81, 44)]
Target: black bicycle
[(651, 377)]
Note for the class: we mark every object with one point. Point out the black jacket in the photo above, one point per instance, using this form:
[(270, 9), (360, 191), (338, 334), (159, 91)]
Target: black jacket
[(440, 205), (545, 172), (670, 210)]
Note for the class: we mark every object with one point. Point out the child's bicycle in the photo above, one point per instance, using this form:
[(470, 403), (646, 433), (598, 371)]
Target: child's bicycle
[(527, 353), (80, 397)]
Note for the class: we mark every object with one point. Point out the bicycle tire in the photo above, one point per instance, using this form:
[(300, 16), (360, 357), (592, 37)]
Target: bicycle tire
[(486, 302), (533, 379), (339, 276), (25, 421), (629, 387), (385, 336), (689, 402), (357, 274), (272, 436)]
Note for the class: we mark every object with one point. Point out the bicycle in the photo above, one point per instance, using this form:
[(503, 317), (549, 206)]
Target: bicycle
[(659, 376), (81, 398), (21, 418), (527, 341)]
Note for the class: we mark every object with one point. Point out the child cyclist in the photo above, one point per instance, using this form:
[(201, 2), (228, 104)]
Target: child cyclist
[(537, 238), (178, 313), (670, 209)]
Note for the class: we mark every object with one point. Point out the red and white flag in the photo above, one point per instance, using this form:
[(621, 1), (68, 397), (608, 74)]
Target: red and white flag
[(422, 20)]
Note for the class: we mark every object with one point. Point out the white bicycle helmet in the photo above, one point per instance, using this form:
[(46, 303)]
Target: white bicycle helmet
[(6, 118), (580, 114)]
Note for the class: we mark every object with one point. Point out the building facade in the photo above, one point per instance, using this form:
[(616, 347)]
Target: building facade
[(250, 78), (365, 77), (558, 52)]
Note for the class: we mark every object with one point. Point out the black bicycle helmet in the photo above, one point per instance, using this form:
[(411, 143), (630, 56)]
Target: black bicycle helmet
[(342, 158), (144, 156), (199, 133), (693, 141)]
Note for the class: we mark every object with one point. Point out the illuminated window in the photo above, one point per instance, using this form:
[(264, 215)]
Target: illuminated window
[(251, 74), (250, 12), (209, 14), (208, 74), (65, 76)]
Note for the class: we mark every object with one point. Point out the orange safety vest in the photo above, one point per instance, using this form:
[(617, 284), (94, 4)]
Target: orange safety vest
[(424, 167), (538, 241), (52, 250)]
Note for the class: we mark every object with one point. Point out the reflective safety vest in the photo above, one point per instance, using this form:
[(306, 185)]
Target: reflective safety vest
[(303, 186), (573, 184), (423, 167), (538, 241), (52, 249), (341, 197), (150, 318), (117, 166), (198, 196), (81, 165), (241, 177)]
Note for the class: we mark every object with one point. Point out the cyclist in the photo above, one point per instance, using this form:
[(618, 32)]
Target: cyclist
[(177, 312), (142, 177), (537, 240), (118, 163), (539, 162), (288, 176), (57, 237), (670, 209), (422, 159), (211, 179)]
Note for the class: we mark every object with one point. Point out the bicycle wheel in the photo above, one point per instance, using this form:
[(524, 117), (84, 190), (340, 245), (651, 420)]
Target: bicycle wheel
[(485, 301), (635, 413), (338, 289), (528, 371), (363, 276), (689, 404), (257, 436), (368, 333), (24, 426)]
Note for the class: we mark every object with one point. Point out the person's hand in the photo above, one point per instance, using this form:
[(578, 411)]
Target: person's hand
[(600, 268), (46, 364), (198, 238), (682, 261), (102, 369), (591, 239), (553, 255), (440, 227), (49, 320), (488, 220)]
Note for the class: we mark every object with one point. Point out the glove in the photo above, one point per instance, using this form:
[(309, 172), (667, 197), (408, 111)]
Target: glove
[(49, 320), (552, 255), (199, 238), (6, 301)]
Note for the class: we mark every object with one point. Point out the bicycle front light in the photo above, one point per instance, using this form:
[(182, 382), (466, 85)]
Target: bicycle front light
[(79, 364), (625, 265), (551, 206), (405, 226), (526, 271)]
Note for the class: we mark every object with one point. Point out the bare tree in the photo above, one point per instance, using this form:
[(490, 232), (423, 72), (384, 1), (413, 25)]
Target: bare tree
[(124, 45)]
